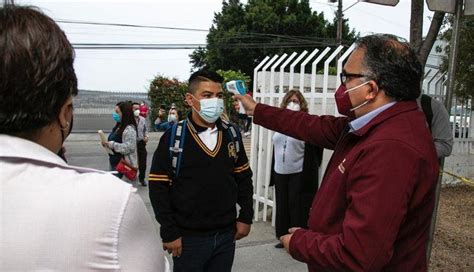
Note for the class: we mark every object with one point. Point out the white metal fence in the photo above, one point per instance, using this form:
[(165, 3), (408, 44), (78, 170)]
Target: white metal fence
[(269, 88), (272, 81), (435, 86)]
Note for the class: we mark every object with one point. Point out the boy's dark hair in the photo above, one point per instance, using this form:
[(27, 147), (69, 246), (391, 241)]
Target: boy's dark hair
[(200, 76), (393, 64), (36, 72)]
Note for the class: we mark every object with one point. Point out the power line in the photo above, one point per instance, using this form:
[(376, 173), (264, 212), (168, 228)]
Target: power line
[(261, 40), (168, 46), (136, 46), (128, 25), (236, 34)]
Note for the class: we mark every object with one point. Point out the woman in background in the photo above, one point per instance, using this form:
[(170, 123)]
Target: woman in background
[(123, 139), (114, 158), (295, 173)]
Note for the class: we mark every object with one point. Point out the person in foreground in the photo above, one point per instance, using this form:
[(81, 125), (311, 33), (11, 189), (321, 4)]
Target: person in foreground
[(57, 217), (198, 174), (374, 207)]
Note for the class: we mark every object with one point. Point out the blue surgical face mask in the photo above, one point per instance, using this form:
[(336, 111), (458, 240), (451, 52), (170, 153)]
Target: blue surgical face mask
[(116, 117), (211, 109)]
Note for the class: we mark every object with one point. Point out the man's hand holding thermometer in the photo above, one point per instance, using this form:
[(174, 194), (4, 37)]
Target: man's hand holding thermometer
[(237, 87), (246, 104)]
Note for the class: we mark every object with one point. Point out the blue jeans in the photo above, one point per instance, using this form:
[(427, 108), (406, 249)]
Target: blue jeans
[(214, 252)]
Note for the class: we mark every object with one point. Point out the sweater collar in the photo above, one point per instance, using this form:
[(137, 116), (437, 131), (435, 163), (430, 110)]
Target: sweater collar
[(198, 129)]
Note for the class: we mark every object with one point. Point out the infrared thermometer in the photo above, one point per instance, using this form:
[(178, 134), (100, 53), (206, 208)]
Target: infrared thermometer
[(237, 87)]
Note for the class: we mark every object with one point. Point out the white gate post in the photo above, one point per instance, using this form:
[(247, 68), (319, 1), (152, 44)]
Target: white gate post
[(255, 73), (313, 77), (260, 174), (438, 89), (282, 73), (269, 142), (429, 82), (253, 147), (292, 68), (339, 63), (326, 75), (302, 69), (272, 74)]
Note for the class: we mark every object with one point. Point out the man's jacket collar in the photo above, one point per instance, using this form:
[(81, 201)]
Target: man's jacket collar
[(398, 108)]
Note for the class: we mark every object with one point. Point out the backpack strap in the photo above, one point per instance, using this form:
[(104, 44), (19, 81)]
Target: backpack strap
[(426, 107), (176, 144), (233, 135)]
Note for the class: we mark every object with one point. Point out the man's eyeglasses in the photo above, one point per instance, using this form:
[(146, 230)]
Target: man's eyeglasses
[(344, 76)]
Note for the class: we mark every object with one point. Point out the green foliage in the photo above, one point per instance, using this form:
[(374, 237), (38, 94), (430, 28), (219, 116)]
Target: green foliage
[(229, 75), (198, 58), (464, 79), (165, 91), (332, 71), (242, 35)]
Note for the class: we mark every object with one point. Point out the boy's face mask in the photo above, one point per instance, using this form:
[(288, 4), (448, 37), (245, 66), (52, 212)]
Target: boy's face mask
[(211, 108)]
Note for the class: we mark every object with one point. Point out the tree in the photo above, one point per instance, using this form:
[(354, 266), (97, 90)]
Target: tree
[(165, 91), (423, 46), (464, 81), (198, 58), (242, 35), (229, 75)]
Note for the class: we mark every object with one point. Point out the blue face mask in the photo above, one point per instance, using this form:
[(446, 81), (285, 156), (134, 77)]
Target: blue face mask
[(116, 117), (211, 109)]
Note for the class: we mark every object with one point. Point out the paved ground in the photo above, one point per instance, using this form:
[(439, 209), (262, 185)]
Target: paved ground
[(254, 253)]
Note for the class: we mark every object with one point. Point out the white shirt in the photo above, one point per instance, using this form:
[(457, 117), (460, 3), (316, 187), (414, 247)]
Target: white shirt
[(289, 154), (209, 137), (56, 217)]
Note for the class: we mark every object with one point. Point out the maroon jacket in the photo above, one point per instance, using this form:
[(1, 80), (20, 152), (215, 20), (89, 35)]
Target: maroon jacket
[(374, 207)]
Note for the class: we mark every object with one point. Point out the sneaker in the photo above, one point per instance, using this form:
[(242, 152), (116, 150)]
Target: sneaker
[(279, 245), (143, 183), (246, 134)]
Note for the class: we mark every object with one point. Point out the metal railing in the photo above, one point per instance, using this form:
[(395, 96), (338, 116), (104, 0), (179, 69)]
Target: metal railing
[(269, 88)]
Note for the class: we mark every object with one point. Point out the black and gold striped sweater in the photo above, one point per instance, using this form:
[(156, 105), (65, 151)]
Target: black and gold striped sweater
[(202, 199)]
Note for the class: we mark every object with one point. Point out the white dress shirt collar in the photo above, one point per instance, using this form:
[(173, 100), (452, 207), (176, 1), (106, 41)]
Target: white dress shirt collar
[(18, 148)]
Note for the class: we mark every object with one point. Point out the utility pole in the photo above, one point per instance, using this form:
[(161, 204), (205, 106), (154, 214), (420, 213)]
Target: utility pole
[(339, 25), (453, 54), (339, 22)]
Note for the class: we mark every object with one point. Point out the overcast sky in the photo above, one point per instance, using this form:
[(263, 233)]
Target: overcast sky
[(132, 70)]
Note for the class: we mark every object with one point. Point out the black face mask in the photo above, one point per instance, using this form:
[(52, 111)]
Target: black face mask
[(61, 152)]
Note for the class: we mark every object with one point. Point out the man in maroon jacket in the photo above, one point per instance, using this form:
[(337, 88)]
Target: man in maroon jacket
[(373, 210)]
